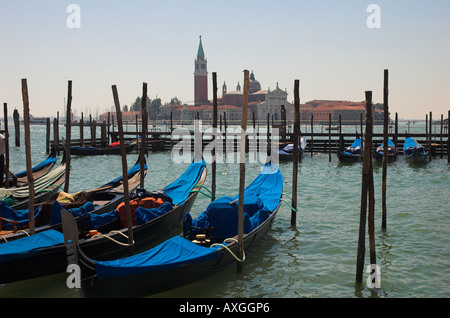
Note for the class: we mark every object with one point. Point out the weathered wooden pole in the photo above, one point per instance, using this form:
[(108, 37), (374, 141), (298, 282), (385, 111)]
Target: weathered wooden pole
[(124, 165), (431, 135), (242, 172), (108, 141), (213, 164), (143, 134), (370, 186), (448, 136), (396, 133), (385, 151), (329, 137), (68, 135), (16, 127), (30, 178), (47, 136), (82, 130), (296, 152), (312, 135), (367, 165), (442, 127), (5, 116)]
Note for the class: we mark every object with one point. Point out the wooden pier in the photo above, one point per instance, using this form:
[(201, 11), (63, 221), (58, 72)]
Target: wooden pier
[(316, 142)]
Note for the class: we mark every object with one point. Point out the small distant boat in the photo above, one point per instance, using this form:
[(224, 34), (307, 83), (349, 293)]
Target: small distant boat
[(392, 152), (413, 151), (206, 246), (287, 152), (112, 149), (352, 153)]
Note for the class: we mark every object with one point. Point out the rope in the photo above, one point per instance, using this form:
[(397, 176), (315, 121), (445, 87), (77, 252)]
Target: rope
[(202, 186), (115, 241), (287, 195), (295, 210), (226, 247), (202, 193)]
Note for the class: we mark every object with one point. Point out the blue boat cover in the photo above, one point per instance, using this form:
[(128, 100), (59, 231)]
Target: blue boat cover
[(29, 245), (409, 142), (261, 195), (180, 189), (82, 210), (46, 162), (144, 215), (20, 216), (354, 148), (169, 254), (135, 169), (260, 198)]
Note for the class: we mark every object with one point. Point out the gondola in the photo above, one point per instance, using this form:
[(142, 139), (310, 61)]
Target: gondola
[(19, 179), (413, 151), (208, 245), (352, 153), (44, 187), (287, 152), (106, 198), (379, 152), (44, 253), (113, 149)]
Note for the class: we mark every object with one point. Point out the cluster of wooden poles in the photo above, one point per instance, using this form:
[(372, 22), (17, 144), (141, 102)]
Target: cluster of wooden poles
[(367, 190)]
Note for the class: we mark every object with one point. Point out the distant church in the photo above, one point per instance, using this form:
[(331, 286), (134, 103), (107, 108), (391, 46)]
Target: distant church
[(260, 102)]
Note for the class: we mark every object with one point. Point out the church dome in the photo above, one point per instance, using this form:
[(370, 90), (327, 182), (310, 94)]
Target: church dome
[(254, 85)]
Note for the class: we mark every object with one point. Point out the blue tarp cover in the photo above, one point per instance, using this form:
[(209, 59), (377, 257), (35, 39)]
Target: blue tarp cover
[(409, 142), (131, 172), (144, 215), (180, 189), (260, 197), (355, 147), (46, 162), (82, 210), (29, 245), (173, 252), (20, 216)]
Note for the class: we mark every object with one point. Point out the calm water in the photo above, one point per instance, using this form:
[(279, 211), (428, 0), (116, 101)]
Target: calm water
[(317, 257)]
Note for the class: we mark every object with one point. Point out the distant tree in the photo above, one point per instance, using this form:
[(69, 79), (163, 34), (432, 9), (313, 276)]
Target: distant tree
[(138, 104), (175, 101), (125, 108)]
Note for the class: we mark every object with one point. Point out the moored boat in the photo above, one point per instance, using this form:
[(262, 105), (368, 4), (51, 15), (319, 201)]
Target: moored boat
[(392, 152), (207, 246), (352, 153), (112, 149), (44, 253), (413, 151)]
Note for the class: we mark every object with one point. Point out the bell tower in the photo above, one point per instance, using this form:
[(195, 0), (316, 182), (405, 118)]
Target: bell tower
[(200, 77)]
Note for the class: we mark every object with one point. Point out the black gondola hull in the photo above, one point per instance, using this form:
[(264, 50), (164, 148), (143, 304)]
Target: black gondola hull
[(53, 260), (147, 284)]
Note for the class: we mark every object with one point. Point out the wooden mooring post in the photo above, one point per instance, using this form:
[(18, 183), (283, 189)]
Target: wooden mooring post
[(366, 191), (242, 174), (6, 170), (385, 151), (143, 145), (214, 124), (124, 166), (68, 135), (296, 152), (30, 178), (16, 127)]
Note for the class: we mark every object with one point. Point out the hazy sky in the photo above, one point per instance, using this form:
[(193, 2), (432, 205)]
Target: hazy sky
[(327, 45)]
